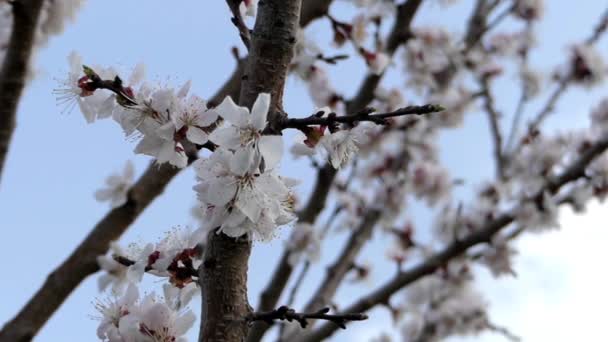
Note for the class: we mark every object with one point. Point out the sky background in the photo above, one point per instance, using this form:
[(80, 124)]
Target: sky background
[(57, 161)]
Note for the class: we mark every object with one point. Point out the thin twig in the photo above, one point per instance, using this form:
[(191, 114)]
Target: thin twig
[(187, 270), (363, 115), (237, 20), (290, 315)]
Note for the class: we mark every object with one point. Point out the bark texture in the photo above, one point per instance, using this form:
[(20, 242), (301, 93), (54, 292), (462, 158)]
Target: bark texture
[(223, 274), (14, 68)]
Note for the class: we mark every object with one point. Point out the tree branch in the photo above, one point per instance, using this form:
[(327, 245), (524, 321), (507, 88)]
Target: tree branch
[(400, 34), (237, 20), (361, 116), (14, 68), (223, 279), (575, 171), (285, 313)]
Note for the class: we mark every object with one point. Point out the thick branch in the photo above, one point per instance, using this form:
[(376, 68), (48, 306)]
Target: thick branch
[(575, 171), (14, 68), (224, 280)]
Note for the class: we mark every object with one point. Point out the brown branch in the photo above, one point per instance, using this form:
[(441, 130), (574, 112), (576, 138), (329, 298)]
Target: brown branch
[(575, 171), (493, 119), (344, 261), (360, 116), (223, 279), (285, 313), (400, 34), (237, 20), (14, 68)]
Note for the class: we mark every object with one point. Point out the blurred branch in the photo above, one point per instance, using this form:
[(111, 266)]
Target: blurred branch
[(493, 119), (237, 20), (223, 273), (571, 173), (15, 67), (564, 82)]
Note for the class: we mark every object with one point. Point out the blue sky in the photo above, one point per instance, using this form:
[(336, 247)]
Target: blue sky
[(57, 161)]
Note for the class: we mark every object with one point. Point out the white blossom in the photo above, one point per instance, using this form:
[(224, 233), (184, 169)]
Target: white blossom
[(117, 187), (304, 243), (244, 135)]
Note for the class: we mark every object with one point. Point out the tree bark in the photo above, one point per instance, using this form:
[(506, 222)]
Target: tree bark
[(223, 274), (14, 68)]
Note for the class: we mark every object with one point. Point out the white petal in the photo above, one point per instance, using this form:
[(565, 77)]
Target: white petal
[(184, 322), (227, 137), (106, 107), (220, 192), (129, 171), (166, 131), (103, 195), (166, 152), (271, 148), (197, 135), (138, 74), (238, 116), (259, 112), (242, 160), (149, 145), (206, 118), (183, 91), (250, 203), (118, 200), (86, 110)]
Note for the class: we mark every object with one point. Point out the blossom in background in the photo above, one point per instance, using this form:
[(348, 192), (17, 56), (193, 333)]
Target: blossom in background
[(244, 135), (304, 242), (529, 9), (117, 187), (430, 181), (376, 61), (587, 65)]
